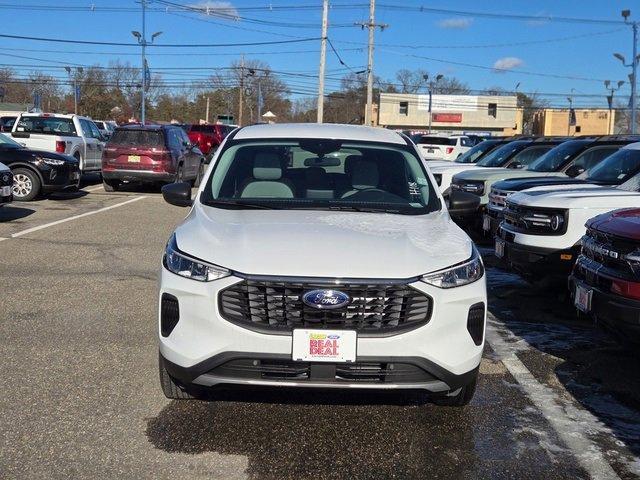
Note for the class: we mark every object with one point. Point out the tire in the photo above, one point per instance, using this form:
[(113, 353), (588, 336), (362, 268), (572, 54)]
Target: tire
[(198, 179), (110, 185), (81, 166), (169, 386), (26, 185), (463, 397)]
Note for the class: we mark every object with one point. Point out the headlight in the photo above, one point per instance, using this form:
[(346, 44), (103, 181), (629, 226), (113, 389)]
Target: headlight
[(51, 161), (185, 266), (457, 275)]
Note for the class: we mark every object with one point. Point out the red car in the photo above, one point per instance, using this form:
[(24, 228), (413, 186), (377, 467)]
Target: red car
[(150, 154), (209, 137), (606, 278)]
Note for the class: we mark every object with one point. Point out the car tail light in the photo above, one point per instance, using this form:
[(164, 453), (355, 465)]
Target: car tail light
[(61, 146), (626, 289), (449, 150)]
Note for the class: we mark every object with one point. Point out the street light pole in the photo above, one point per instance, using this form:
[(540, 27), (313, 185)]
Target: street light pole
[(634, 68), (430, 87), (569, 119), (142, 41), (611, 90), (75, 86)]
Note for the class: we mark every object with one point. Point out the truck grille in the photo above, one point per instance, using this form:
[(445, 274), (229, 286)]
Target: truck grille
[(497, 198), (534, 221), (277, 307), (610, 251)]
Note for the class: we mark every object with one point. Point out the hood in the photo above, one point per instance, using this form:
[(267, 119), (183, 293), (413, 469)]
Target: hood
[(518, 184), (577, 196), (452, 168), (439, 163), (622, 223), (498, 173), (306, 243)]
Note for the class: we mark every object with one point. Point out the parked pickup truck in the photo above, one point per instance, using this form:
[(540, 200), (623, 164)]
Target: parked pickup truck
[(606, 278), (69, 134)]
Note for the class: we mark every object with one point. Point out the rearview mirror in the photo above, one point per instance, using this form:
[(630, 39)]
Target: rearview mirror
[(463, 202), (178, 194), (574, 171)]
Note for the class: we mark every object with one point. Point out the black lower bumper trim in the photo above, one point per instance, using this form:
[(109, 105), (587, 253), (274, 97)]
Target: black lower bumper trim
[(527, 259), (432, 371), (618, 314)]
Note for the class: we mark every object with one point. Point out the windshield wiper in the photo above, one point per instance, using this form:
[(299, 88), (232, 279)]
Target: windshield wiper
[(238, 204)]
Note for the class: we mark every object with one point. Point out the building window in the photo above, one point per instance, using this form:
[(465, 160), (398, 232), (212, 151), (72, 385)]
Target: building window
[(492, 110), (578, 129), (404, 108)]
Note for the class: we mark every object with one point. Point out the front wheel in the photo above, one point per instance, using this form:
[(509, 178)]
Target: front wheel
[(26, 185), (462, 398)]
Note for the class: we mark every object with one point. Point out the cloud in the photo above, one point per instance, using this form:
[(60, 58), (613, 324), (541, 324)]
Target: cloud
[(455, 23), (218, 8), (507, 63)]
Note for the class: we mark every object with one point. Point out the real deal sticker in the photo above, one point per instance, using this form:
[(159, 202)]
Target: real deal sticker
[(322, 345)]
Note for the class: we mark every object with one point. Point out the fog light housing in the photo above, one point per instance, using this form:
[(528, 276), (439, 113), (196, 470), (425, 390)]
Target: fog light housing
[(475, 322), (169, 314)]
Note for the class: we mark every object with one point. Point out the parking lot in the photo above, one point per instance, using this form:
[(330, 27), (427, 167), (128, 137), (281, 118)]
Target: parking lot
[(556, 399)]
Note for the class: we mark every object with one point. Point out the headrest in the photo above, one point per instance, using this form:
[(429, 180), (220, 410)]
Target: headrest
[(266, 166), (365, 174), (349, 162)]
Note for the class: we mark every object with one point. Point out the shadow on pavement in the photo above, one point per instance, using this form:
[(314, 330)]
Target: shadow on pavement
[(600, 373), (11, 212)]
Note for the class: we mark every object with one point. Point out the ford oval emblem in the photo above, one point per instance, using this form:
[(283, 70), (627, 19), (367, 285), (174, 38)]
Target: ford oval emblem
[(326, 299)]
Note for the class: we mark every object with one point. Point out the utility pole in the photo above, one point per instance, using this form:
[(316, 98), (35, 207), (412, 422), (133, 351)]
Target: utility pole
[(206, 116), (634, 68), (570, 99), (430, 86), (241, 93), (611, 90), (142, 41), (371, 25), (323, 59)]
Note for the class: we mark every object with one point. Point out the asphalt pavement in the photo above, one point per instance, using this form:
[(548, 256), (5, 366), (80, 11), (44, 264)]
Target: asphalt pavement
[(80, 398)]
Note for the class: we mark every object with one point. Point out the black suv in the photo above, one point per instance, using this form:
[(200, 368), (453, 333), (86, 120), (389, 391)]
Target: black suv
[(36, 172)]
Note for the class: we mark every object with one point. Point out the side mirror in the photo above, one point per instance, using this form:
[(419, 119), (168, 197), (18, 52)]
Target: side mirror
[(461, 203), (178, 194), (574, 171)]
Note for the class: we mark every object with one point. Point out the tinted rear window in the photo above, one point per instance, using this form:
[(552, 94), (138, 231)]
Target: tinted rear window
[(436, 140), (202, 128), (147, 138), (47, 125)]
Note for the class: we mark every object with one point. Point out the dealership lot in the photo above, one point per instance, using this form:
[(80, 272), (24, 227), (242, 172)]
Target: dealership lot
[(556, 397)]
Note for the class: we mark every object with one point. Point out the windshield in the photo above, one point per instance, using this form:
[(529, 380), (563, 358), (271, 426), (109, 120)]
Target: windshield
[(472, 155), (616, 169), (500, 155), (5, 140), (422, 140), (320, 175), (555, 158)]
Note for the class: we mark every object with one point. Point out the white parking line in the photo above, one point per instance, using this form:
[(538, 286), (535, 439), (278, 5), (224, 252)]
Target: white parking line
[(570, 422), (93, 189), (74, 217)]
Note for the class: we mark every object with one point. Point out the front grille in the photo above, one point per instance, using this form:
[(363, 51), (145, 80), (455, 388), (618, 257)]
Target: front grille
[(288, 370), (587, 270), (277, 307), (497, 198), (611, 252), (533, 220)]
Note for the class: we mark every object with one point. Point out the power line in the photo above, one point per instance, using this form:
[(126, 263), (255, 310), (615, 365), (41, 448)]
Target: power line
[(175, 45)]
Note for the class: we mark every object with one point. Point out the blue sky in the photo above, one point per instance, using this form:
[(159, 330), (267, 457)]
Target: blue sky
[(414, 39)]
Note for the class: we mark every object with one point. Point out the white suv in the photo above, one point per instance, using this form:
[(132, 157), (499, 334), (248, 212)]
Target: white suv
[(438, 147), (319, 256)]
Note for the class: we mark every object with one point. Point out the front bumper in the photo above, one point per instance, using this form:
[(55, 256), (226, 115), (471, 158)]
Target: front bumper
[(527, 259), (615, 313), (441, 354)]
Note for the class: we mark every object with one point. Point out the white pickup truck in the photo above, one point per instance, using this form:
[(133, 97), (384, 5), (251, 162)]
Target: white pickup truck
[(70, 134)]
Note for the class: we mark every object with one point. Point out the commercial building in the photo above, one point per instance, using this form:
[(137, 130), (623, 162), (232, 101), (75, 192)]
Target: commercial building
[(479, 114), (554, 122)]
